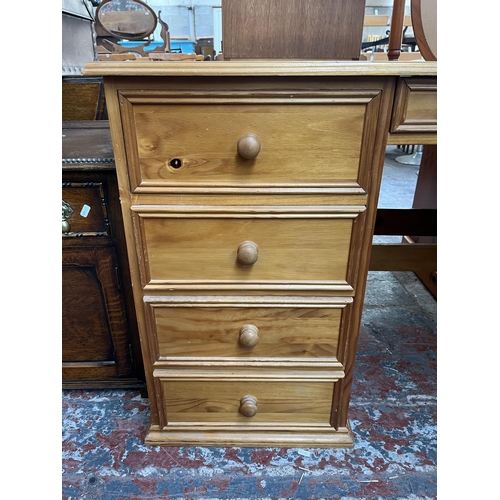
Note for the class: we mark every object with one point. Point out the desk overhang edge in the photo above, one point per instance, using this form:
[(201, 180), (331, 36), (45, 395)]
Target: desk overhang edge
[(284, 68)]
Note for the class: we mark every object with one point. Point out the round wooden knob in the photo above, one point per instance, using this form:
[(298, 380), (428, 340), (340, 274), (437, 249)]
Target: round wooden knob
[(248, 253), (248, 406), (249, 335), (248, 146)]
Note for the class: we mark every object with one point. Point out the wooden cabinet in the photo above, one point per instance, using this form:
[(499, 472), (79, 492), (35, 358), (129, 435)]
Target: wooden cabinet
[(94, 323), (249, 194), (100, 345)]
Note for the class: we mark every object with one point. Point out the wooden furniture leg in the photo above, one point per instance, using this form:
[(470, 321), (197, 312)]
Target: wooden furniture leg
[(396, 36), (426, 197)]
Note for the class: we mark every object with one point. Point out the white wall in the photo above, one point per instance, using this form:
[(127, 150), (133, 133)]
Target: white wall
[(186, 18), (384, 3)]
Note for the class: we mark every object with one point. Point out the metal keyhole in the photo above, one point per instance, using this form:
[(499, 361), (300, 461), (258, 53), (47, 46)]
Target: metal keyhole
[(175, 163)]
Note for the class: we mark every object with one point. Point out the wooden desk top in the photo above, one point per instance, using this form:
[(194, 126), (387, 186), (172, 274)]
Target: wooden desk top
[(260, 67)]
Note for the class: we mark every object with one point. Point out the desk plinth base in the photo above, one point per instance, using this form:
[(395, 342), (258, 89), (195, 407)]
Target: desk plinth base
[(250, 436)]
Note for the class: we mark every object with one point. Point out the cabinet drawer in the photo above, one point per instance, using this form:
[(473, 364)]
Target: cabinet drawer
[(219, 400), (415, 105), (239, 328), (261, 248), (84, 209), (308, 139)]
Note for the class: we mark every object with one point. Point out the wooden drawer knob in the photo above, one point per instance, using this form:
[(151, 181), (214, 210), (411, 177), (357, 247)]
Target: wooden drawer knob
[(249, 335), (249, 146), (248, 406), (248, 253)]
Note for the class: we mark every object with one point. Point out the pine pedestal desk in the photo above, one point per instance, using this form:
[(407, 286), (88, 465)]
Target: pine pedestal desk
[(249, 193)]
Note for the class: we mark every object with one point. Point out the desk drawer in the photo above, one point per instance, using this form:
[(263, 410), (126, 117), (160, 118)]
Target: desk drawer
[(261, 247), (218, 400), (84, 209), (415, 105), (243, 328), (297, 138)]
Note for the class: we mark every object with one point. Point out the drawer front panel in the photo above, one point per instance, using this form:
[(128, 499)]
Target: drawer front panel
[(200, 250), (87, 214), (220, 401), (304, 140), (415, 105), (246, 331)]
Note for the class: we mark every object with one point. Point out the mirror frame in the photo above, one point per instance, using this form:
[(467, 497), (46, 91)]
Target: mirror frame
[(419, 29), (117, 34)]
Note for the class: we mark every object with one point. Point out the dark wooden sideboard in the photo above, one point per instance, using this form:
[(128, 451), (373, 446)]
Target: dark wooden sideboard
[(100, 342)]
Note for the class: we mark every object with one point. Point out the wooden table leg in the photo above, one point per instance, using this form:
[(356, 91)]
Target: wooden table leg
[(426, 197)]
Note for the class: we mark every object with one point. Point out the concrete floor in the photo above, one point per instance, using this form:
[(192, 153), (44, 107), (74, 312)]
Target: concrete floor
[(393, 415)]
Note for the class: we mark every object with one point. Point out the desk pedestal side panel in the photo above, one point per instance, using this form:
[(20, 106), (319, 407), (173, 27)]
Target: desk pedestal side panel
[(248, 207)]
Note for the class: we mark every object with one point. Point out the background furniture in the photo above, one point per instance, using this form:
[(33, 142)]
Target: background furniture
[(397, 24), (424, 16), (100, 344), (424, 22), (414, 121), (375, 44), (82, 98), (287, 29), (418, 114), (425, 200), (249, 206), (78, 35), (134, 22)]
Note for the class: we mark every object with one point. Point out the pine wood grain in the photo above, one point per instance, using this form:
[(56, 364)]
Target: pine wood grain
[(246, 434), (219, 401), (260, 67), (192, 297), (203, 139), (205, 249), (215, 332)]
